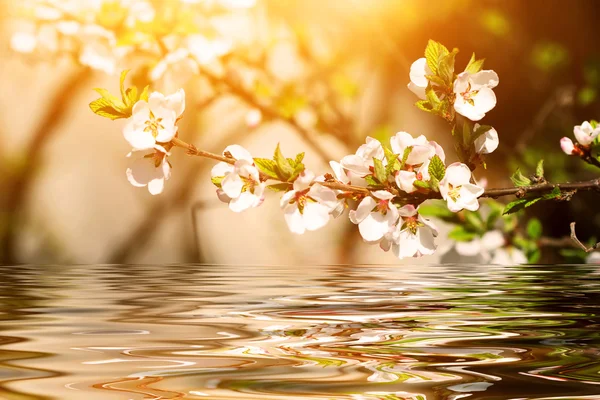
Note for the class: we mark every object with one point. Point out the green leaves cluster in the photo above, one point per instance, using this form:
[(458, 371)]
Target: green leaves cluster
[(110, 106), (281, 168), (520, 180)]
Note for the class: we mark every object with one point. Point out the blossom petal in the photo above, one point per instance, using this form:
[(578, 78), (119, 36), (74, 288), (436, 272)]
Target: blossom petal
[(156, 186), (243, 202), (315, 216), (374, 226), (294, 219), (239, 153), (232, 185), (486, 78), (363, 210), (567, 145), (470, 248), (339, 172), (356, 165), (405, 181), (492, 240), (221, 169), (487, 142), (176, 102), (457, 174)]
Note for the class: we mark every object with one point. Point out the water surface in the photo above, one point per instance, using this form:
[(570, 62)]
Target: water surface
[(311, 332)]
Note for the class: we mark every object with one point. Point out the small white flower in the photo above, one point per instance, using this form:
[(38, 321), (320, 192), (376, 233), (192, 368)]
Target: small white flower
[(567, 145), (307, 207), (149, 168), (154, 121), (418, 82), (585, 133), (509, 256), (241, 186), (487, 142), (375, 216), (474, 94), (414, 235), (206, 51), (421, 151), (457, 190), (361, 163)]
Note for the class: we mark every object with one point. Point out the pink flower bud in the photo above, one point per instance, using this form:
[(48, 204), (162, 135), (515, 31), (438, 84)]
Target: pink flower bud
[(567, 146)]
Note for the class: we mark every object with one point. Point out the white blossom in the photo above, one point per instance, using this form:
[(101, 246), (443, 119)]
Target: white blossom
[(417, 163), (457, 190), (593, 258), (174, 69), (99, 49), (585, 133), (474, 94), (240, 184), (418, 82), (361, 164), (414, 235), (149, 168), (154, 121), (307, 207), (567, 146), (375, 216), (487, 142)]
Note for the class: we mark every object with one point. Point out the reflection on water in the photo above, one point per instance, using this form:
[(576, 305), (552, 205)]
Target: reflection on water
[(320, 332)]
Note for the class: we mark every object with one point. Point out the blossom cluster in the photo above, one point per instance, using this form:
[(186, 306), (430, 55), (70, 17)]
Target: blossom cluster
[(168, 37), (585, 134)]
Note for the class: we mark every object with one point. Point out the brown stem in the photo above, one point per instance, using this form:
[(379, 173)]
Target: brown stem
[(522, 191), (417, 197), (578, 242)]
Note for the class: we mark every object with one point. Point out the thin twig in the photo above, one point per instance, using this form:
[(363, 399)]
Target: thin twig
[(578, 242)]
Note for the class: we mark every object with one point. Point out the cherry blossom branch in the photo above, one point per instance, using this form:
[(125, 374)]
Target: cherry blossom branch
[(522, 191)]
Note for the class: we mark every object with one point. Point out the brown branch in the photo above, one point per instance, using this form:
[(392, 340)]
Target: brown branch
[(578, 242), (267, 111), (522, 191)]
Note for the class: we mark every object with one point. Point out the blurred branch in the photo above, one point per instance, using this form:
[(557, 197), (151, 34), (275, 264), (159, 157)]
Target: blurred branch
[(578, 242), (19, 184), (522, 191), (267, 111)]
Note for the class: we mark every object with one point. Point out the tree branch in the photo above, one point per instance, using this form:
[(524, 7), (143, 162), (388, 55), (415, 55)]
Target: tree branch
[(578, 242), (522, 191)]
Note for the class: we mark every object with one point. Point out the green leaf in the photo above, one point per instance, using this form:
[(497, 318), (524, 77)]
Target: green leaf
[(280, 187), (131, 96), (424, 105), (144, 95), (267, 167), (105, 108), (372, 182), (514, 206), (446, 67), (519, 179), (432, 97), (539, 169), (434, 52), (298, 169), (534, 228), (284, 169), (380, 173), (435, 79), (531, 201), (393, 164), (474, 65), (216, 180), (460, 234), (552, 195), (437, 169), (407, 152), (421, 184), (299, 158)]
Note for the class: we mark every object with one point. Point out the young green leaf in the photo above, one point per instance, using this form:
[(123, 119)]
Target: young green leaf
[(107, 109), (434, 52), (437, 169), (519, 179), (280, 187), (514, 206), (267, 167), (539, 169), (474, 65), (283, 167), (372, 182), (407, 152), (380, 172), (437, 209), (446, 67), (424, 105), (421, 184)]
